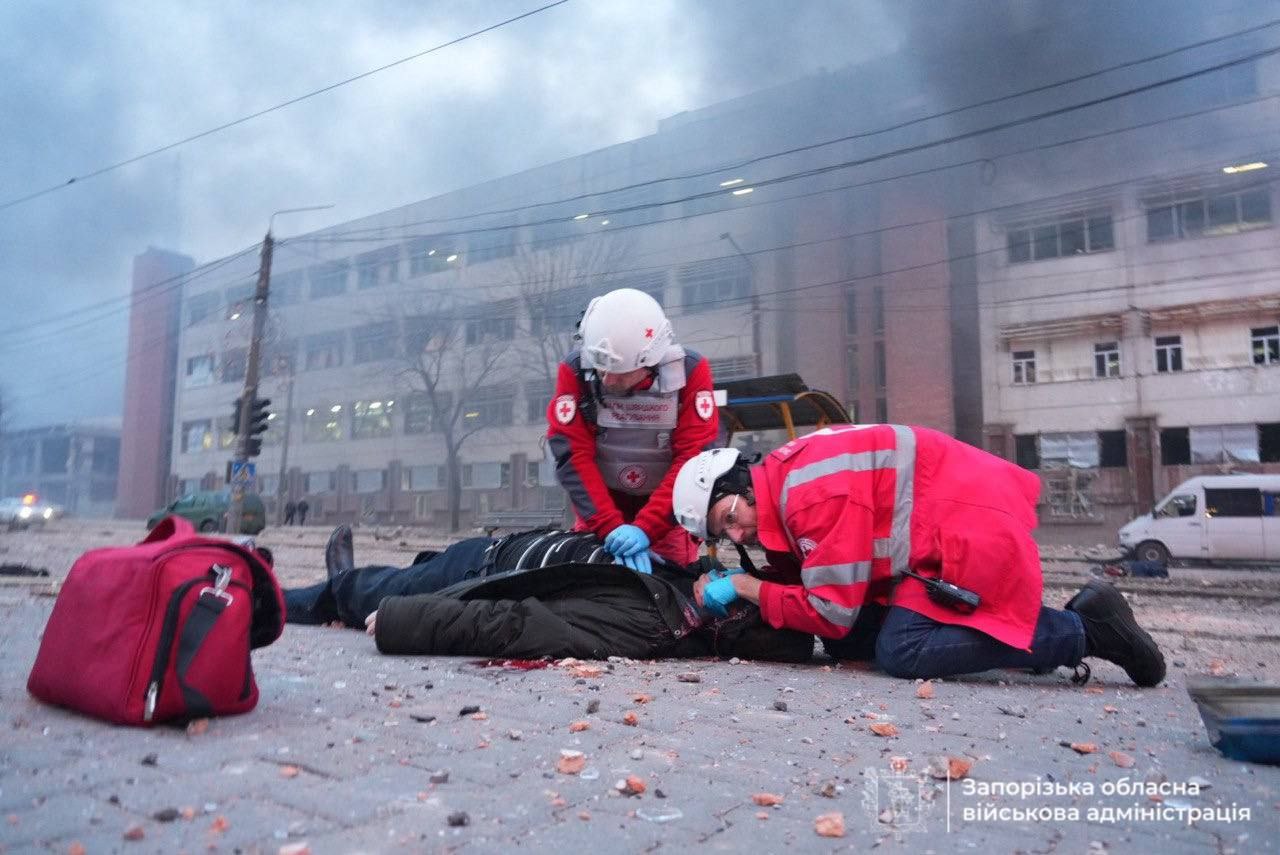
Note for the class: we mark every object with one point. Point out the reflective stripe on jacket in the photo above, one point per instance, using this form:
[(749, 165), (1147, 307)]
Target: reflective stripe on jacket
[(854, 506)]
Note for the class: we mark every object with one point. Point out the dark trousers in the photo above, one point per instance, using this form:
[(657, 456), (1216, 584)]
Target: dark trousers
[(352, 596), (904, 643)]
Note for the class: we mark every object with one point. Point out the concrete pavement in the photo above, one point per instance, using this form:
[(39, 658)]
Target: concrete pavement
[(350, 751)]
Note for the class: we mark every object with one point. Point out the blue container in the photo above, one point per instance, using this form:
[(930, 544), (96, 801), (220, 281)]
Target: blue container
[(1243, 719)]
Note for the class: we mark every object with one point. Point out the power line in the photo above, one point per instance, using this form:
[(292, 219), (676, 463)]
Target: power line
[(911, 149), (280, 106)]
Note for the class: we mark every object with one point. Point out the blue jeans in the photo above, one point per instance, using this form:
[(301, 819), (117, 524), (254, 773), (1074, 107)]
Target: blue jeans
[(908, 644), (352, 596)]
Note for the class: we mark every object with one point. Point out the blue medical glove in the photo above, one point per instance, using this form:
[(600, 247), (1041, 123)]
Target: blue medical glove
[(640, 562), (626, 540), (718, 594)]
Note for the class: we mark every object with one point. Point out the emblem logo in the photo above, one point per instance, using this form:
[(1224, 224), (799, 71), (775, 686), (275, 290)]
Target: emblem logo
[(704, 404), (895, 800), (806, 545), (566, 407), (633, 476)]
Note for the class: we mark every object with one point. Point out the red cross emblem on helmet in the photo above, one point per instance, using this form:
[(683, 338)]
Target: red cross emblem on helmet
[(648, 332), (565, 407), (704, 404)]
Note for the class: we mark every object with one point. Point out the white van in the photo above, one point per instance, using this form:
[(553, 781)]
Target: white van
[(1228, 517)]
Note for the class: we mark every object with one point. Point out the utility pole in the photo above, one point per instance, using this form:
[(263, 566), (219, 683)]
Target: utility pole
[(755, 305), (282, 488), (250, 393)]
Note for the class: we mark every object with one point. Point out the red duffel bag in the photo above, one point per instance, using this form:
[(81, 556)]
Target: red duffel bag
[(161, 630)]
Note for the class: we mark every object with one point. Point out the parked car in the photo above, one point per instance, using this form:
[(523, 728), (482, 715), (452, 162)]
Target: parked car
[(26, 511), (207, 511), (1211, 517)]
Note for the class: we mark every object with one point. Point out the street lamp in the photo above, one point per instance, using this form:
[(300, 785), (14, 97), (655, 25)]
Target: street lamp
[(755, 304)]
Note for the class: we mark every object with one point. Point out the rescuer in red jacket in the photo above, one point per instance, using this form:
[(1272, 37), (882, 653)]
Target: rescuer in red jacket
[(630, 407), (862, 523)]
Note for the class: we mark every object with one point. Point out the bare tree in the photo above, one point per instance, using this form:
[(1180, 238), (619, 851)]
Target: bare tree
[(554, 286), (447, 354)]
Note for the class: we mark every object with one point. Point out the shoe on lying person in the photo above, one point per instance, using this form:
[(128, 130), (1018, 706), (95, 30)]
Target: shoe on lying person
[(1111, 632), (339, 552)]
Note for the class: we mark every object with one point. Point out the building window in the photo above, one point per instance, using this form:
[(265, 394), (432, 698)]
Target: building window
[(371, 419), (368, 480), (233, 365), (537, 398), (504, 474), (197, 436), (1266, 345), (199, 371), (499, 242), (228, 432), (490, 406), (1114, 449), (532, 472), (1024, 367), (653, 283), (851, 312), (495, 322), (328, 280), (1209, 214), (239, 300), (852, 378), (709, 285), (881, 365), (1077, 234), (421, 478), (322, 424), (324, 351), (201, 307), (286, 288), (419, 415), (380, 267), (373, 342), (882, 411), (321, 482), (1106, 359), (1224, 444), (1074, 449), (434, 254), (877, 310), (1269, 442), (1168, 353), (1175, 446), (1026, 450), (558, 311), (465, 476), (732, 368)]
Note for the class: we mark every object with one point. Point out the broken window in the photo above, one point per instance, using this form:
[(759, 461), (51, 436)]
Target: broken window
[(1024, 367), (1266, 345), (1224, 444), (1026, 450), (1113, 449), (1168, 353), (1269, 442), (1076, 449), (1106, 359), (1175, 446)]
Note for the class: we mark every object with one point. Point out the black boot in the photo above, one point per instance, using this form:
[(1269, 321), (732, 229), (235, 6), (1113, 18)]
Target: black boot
[(1112, 633), (339, 552)]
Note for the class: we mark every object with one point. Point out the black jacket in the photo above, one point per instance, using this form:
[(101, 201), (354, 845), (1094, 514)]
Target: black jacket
[(589, 611)]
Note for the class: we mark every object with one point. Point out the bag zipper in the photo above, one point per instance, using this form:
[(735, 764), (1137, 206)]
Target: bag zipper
[(221, 575)]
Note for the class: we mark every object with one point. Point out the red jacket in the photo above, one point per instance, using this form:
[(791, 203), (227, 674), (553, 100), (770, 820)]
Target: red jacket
[(573, 444), (841, 509)]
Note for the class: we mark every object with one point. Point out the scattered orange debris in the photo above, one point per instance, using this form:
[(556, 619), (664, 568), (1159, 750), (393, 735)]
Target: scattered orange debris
[(571, 762), (641, 699), (579, 726), (134, 832), (767, 799), (289, 771), (76, 848), (924, 691), (480, 716), (883, 728), (1084, 747), (1124, 761), (633, 785), (219, 825), (631, 719), (829, 825), (198, 727)]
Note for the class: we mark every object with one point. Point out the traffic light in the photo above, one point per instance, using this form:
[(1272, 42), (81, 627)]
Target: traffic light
[(235, 416), (258, 419)]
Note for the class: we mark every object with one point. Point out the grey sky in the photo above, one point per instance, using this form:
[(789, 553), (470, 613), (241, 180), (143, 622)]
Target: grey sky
[(88, 83)]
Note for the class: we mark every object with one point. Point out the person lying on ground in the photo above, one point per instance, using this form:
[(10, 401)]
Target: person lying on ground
[(906, 546), (538, 594)]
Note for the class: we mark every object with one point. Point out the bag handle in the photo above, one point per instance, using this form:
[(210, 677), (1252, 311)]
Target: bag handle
[(170, 526)]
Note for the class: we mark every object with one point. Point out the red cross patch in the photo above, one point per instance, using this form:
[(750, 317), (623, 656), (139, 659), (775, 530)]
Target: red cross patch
[(648, 332), (704, 404), (566, 407), (633, 476)]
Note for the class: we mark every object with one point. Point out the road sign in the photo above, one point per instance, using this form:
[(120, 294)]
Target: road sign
[(244, 474)]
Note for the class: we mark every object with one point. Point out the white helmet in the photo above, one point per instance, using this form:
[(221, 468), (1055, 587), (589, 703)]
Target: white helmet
[(623, 330), (691, 495)]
